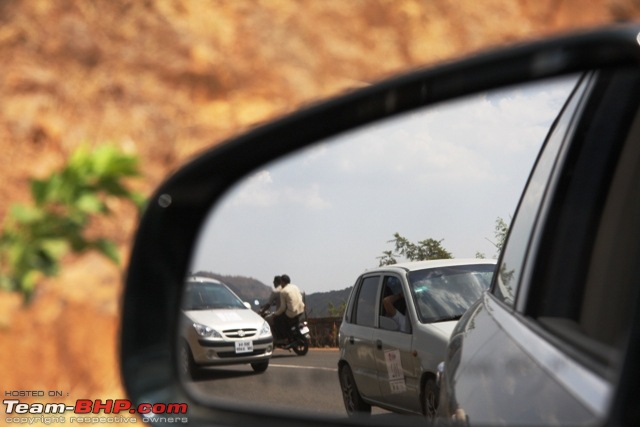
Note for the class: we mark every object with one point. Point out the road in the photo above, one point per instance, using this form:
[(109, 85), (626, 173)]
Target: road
[(308, 384)]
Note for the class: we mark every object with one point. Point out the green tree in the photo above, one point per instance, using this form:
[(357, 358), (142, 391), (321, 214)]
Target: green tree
[(500, 232), (336, 310), (423, 250), (35, 237)]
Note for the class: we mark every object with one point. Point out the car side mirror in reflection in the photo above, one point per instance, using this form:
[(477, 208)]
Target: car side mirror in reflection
[(170, 235)]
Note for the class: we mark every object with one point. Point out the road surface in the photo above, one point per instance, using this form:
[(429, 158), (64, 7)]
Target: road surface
[(307, 384)]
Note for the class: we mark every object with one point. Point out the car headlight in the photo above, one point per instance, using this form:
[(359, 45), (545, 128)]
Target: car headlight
[(266, 330), (206, 331)]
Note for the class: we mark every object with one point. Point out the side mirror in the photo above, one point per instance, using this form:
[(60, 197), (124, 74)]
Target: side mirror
[(166, 241)]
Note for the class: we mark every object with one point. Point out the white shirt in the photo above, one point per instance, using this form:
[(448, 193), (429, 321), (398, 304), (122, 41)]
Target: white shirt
[(290, 301), (402, 321)]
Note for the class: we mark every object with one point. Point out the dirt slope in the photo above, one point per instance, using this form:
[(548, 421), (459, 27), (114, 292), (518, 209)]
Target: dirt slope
[(167, 79)]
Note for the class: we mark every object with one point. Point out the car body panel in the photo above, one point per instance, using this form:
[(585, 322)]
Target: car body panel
[(357, 343), (398, 370), (492, 364)]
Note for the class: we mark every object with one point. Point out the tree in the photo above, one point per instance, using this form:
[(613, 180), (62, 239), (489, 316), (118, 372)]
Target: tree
[(500, 232), (423, 250), (336, 310), (35, 237)]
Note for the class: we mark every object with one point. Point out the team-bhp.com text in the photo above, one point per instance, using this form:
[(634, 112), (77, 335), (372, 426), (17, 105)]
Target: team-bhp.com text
[(93, 411)]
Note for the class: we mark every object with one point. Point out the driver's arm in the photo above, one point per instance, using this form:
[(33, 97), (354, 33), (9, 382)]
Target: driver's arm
[(388, 304)]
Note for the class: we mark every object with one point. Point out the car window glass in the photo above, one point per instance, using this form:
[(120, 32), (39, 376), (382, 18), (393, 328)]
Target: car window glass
[(393, 286), (366, 302), (445, 293), (511, 264), (203, 296)]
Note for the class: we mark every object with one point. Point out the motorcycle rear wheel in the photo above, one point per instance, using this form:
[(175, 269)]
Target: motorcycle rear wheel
[(301, 346)]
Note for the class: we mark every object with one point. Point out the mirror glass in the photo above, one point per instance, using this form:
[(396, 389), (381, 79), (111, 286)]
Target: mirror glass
[(327, 213)]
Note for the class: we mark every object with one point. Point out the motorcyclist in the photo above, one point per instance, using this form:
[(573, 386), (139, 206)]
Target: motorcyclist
[(274, 298), (291, 307)]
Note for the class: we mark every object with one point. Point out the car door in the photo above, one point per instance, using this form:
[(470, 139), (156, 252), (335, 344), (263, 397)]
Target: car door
[(358, 344), (543, 346), (397, 367)]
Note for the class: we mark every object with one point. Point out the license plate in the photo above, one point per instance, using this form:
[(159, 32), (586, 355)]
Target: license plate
[(244, 346)]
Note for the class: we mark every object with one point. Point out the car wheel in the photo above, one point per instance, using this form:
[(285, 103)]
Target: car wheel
[(301, 347), (430, 399), (260, 367), (188, 367), (353, 402)]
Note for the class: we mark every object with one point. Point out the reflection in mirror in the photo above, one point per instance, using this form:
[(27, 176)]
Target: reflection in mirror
[(327, 213)]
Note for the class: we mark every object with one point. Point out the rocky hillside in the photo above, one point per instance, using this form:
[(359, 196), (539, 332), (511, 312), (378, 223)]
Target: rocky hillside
[(167, 79)]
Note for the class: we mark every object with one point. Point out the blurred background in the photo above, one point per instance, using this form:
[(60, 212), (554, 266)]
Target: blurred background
[(164, 80)]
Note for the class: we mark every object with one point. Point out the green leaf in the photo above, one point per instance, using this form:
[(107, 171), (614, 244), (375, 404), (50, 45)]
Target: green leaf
[(25, 214), (39, 191), (55, 248), (90, 203), (108, 249)]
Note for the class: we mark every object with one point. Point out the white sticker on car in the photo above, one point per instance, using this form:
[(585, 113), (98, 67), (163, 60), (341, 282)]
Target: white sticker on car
[(395, 371)]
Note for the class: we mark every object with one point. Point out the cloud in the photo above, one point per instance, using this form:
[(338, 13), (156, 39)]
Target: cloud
[(261, 190), (256, 191)]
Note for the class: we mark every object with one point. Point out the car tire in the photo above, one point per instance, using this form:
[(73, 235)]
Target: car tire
[(430, 399), (353, 402), (301, 347), (260, 367), (188, 367)]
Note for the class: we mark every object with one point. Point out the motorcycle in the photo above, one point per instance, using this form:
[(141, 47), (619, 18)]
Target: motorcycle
[(298, 339)]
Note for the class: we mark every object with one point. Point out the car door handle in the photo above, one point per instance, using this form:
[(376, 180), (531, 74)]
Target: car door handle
[(352, 340), (379, 344)]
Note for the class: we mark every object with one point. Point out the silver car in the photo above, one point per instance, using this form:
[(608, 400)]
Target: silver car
[(217, 328), (390, 351)]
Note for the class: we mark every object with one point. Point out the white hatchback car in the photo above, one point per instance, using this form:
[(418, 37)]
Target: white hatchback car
[(391, 366), (217, 328)]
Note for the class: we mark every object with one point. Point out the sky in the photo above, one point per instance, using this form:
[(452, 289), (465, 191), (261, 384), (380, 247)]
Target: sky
[(326, 213)]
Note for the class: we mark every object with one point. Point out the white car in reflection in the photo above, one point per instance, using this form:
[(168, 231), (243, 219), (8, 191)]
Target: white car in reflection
[(394, 364), (217, 328)]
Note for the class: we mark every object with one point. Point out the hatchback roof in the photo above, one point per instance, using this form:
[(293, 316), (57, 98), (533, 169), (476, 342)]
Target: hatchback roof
[(203, 279), (434, 263)]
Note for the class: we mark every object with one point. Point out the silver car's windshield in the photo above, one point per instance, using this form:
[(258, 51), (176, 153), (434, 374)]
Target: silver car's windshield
[(206, 296), (445, 293)]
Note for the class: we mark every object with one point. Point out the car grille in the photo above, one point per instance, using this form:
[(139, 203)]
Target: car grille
[(239, 333)]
